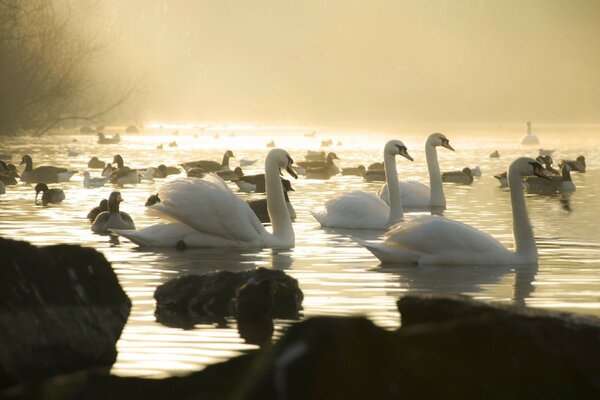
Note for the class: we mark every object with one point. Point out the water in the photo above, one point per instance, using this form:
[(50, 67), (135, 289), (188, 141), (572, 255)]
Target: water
[(338, 276)]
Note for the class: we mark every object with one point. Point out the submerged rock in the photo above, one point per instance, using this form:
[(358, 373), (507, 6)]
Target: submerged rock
[(211, 297), (61, 310)]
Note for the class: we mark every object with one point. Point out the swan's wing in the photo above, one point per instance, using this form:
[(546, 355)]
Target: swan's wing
[(436, 235), (414, 194), (354, 209), (209, 206)]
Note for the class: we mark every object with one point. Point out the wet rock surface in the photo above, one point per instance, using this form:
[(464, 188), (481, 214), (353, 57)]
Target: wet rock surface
[(61, 310)]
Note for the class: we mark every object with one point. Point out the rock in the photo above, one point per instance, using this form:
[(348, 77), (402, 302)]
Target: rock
[(207, 298), (61, 310)]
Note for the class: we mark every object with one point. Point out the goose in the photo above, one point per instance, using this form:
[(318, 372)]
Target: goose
[(463, 177), (567, 185), (530, 138), (328, 162), (417, 195), (362, 210), (561, 183), (89, 182), (211, 166), (152, 200), (355, 171), (123, 175), (251, 183), (210, 215), (113, 218), (44, 174), (578, 165), (259, 206), (230, 175), (54, 195), (96, 163), (103, 206), (437, 240), (320, 169), (108, 170), (8, 174)]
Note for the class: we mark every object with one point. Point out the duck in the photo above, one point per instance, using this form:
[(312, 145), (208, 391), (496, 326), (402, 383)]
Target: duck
[(44, 174), (113, 218), (495, 154), (416, 195), (103, 206), (502, 179), (556, 183), (89, 182), (577, 165), (123, 175), (464, 177), (436, 240), (259, 206), (152, 200), (567, 185), (211, 166), (355, 171), (96, 163), (210, 215), (231, 175), (319, 169), (173, 144), (271, 144), (54, 195), (102, 139), (362, 210)]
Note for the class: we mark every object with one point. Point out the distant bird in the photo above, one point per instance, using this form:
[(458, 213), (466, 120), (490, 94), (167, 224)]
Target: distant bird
[(356, 171), (375, 173), (271, 144), (159, 147), (319, 156), (95, 163), (251, 183), (113, 218), (260, 206), (173, 144), (244, 162), (53, 196), (195, 172), (530, 138), (502, 179), (211, 166), (578, 165), (326, 143), (376, 166), (464, 177), (321, 169), (89, 182), (152, 200), (123, 175), (102, 139), (44, 174), (231, 175), (103, 206), (495, 154)]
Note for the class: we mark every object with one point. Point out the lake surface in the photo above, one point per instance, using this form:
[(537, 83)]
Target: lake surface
[(337, 276)]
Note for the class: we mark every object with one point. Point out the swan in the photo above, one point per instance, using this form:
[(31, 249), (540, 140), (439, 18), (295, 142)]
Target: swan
[(530, 138), (437, 240), (89, 182), (113, 218), (417, 195), (361, 210), (43, 174), (209, 214), (53, 195), (211, 166)]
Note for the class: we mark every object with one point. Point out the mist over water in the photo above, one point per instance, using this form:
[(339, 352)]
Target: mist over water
[(337, 276)]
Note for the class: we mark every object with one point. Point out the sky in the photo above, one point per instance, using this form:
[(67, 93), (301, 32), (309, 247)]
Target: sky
[(375, 63)]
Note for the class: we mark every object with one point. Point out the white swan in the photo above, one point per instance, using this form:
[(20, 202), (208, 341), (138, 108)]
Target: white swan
[(417, 195), (209, 214), (361, 210), (437, 240), (530, 138)]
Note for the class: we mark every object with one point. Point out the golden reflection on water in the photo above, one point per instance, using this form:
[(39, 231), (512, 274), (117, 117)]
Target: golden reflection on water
[(337, 276)]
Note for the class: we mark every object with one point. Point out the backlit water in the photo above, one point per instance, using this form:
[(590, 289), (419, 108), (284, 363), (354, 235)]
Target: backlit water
[(337, 276)]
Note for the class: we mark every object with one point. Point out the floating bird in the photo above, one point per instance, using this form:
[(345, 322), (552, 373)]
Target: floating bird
[(195, 172), (577, 166), (356, 171), (259, 206), (173, 144), (211, 215), (89, 182), (495, 154), (244, 162), (102, 139), (231, 175), (103, 206), (271, 144), (362, 210), (96, 163), (54, 196), (113, 218), (438, 240), (321, 169), (123, 175), (211, 166), (417, 195), (251, 183), (464, 177), (152, 200), (530, 138), (44, 174)]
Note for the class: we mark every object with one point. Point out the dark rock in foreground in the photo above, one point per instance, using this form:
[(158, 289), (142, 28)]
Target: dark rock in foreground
[(61, 310), (211, 297), (450, 348)]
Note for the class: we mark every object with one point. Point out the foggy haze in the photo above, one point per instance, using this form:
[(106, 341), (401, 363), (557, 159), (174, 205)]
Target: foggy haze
[(366, 63)]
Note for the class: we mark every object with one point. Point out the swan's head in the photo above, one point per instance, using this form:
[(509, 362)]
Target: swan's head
[(283, 160), (439, 139), (526, 166), (396, 147)]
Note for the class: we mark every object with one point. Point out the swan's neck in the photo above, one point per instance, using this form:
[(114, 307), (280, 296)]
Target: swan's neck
[(525, 247), (276, 206), (391, 177), (437, 198)]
